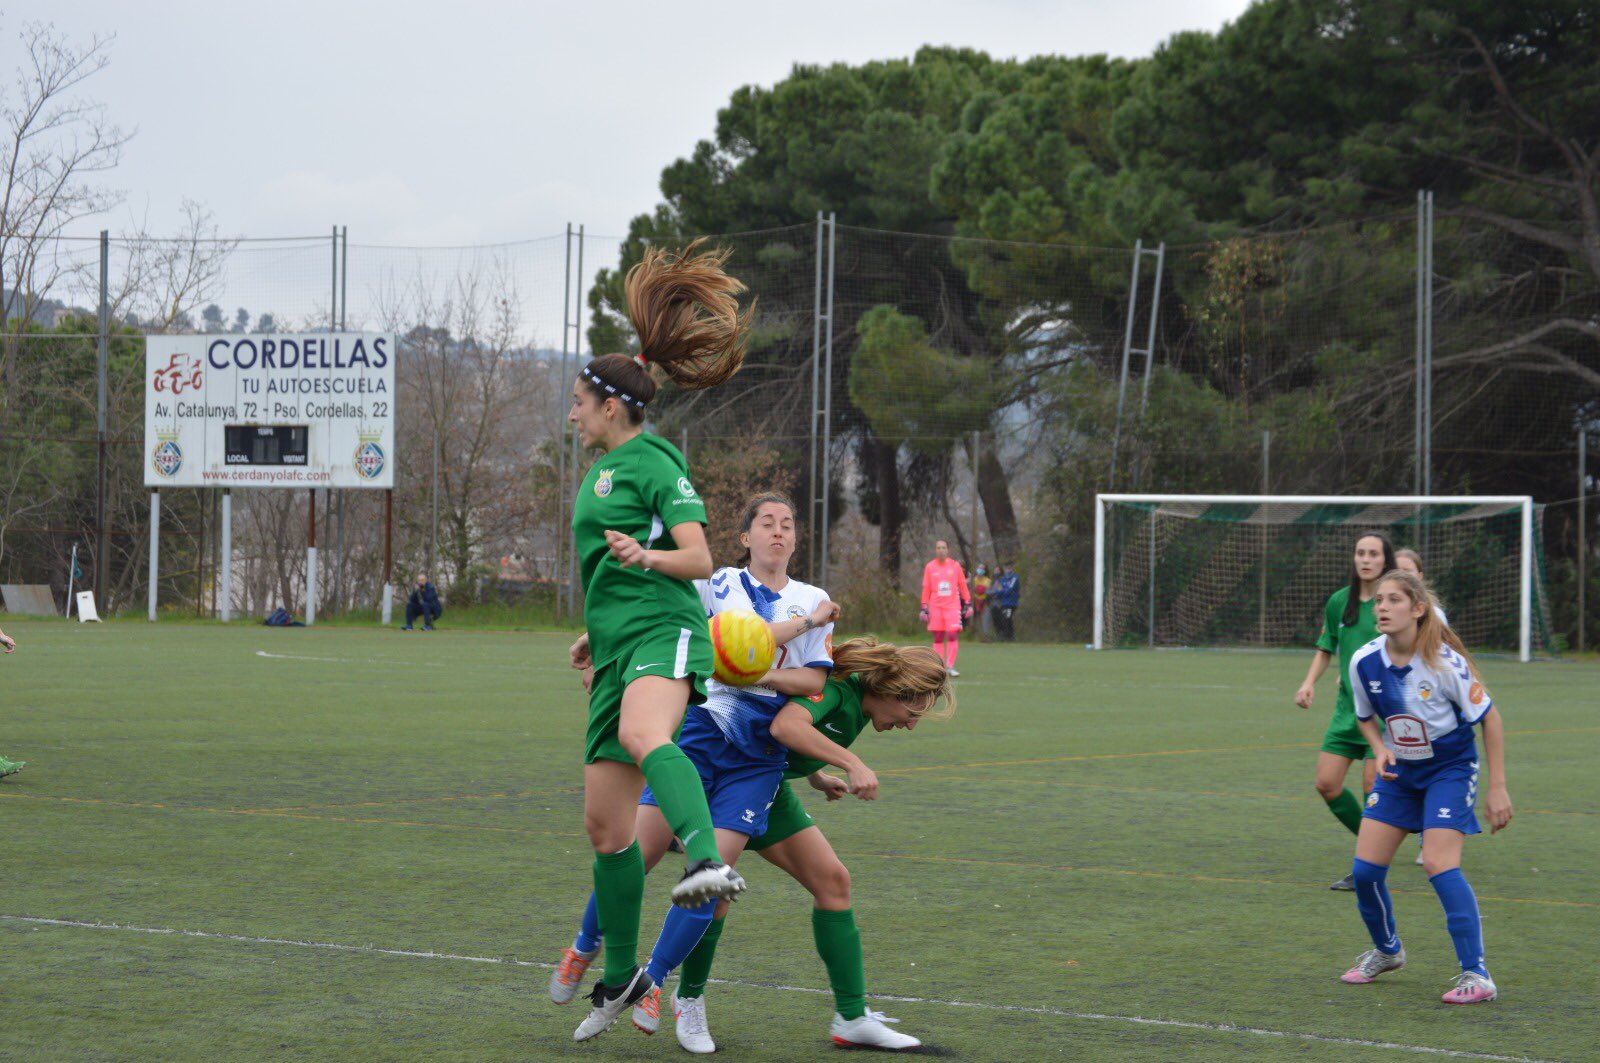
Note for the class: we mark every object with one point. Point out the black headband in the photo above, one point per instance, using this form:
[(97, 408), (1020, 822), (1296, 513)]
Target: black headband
[(611, 389)]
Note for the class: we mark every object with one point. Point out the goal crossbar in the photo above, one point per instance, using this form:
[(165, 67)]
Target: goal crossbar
[(1522, 502)]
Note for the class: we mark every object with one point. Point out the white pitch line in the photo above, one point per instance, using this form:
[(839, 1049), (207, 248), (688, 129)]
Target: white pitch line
[(1092, 1016)]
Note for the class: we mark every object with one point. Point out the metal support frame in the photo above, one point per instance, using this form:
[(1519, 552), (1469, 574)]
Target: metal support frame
[(1129, 350), (1525, 559), (827, 402)]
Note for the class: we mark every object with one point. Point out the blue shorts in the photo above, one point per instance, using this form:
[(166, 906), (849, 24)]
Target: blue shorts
[(1441, 798), (739, 794)]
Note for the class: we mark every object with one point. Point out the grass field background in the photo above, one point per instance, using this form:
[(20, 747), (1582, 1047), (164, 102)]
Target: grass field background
[(1094, 840)]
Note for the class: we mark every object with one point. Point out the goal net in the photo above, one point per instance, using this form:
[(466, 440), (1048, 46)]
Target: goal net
[(1241, 570)]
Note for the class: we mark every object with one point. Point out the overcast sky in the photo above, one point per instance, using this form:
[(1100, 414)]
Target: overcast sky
[(470, 122)]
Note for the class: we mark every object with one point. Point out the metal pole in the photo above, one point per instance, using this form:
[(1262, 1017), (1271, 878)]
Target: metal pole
[(344, 275), (433, 538), (1150, 337), (102, 353), (1583, 529), (155, 544), (1525, 592), (1266, 469), (572, 446), (338, 550), (311, 561), (333, 299), (1416, 421), (1153, 514), (561, 432), (385, 607), (1099, 572), (1427, 354), (1127, 348), (976, 554), (814, 509), (827, 399), (72, 569), (227, 555)]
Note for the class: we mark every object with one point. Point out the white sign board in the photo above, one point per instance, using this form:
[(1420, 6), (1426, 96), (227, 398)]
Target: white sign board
[(275, 410)]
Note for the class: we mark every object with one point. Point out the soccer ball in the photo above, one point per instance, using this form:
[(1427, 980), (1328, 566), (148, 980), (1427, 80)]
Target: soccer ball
[(741, 646)]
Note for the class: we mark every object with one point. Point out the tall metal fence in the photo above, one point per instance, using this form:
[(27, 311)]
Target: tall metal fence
[(903, 387)]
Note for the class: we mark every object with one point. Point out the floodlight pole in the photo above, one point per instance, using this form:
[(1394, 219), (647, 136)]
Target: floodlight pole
[(102, 353)]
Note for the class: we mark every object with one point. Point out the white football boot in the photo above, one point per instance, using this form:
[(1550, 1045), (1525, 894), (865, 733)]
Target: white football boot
[(694, 1034), (869, 1031)]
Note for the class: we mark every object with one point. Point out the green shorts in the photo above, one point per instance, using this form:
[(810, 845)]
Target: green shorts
[(1343, 738), (786, 818), (681, 654)]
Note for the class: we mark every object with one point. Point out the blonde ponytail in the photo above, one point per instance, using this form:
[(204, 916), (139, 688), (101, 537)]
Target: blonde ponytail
[(912, 673)]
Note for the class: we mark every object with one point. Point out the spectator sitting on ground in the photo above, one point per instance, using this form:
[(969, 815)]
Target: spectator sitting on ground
[(424, 602)]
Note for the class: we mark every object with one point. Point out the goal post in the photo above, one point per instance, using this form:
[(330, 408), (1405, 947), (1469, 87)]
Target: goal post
[(1256, 570)]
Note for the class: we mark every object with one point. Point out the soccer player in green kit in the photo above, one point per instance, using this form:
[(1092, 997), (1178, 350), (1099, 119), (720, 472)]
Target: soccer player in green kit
[(640, 530), (1347, 625)]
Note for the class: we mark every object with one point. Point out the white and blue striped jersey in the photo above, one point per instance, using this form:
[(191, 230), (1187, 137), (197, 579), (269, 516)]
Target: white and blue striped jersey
[(744, 714), (1427, 713)]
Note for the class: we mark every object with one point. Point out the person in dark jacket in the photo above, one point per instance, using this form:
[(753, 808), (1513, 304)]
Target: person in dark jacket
[(1004, 595), (424, 602)]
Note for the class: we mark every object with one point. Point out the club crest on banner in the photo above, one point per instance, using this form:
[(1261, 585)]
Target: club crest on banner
[(369, 456), (167, 456)]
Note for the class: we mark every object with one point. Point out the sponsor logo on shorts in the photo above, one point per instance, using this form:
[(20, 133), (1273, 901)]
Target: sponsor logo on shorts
[(1372, 799), (1444, 813), (831, 727), (749, 815)]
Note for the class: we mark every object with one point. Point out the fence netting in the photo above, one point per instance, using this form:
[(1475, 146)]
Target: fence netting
[(904, 388)]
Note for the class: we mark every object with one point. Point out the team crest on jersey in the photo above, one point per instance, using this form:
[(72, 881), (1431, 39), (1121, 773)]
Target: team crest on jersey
[(602, 486), (795, 612), (1424, 690)]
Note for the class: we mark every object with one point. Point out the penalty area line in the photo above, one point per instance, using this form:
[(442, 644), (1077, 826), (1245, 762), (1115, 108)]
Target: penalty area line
[(1063, 1013)]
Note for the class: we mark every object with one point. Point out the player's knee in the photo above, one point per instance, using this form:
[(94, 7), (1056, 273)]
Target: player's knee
[(830, 887), (1435, 866), (1329, 788), (605, 836), (639, 740)]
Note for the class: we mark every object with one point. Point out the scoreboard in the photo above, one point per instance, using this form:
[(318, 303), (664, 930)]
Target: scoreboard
[(270, 410)]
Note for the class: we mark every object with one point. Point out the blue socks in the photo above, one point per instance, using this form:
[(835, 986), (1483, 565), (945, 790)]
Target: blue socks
[(1372, 900), (680, 933), (588, 938), (1461, 918)]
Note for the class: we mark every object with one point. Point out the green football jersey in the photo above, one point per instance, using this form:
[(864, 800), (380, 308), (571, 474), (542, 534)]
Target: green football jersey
[(641, 489), (837, 713), (1345, 640)]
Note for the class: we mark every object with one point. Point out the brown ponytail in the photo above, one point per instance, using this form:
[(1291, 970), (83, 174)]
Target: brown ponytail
[(685, 311), (912, 673)]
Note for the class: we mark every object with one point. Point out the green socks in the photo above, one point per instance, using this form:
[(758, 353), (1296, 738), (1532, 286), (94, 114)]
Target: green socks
[(1346, 808), (618, 896), (839, 945), (682, 797), (696, 969)]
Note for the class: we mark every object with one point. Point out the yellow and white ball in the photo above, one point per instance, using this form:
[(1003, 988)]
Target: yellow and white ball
[(742, 646)]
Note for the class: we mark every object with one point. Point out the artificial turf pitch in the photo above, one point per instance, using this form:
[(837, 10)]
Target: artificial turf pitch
[(1115, 856)]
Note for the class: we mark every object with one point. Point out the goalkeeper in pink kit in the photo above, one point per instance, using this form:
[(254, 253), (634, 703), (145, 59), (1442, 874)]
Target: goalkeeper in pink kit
[(946, 602)]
